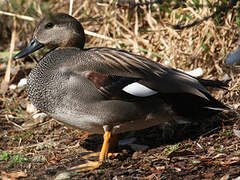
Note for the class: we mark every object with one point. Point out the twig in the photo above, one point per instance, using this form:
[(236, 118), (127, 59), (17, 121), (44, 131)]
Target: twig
[(20, 127), (28, 18), (4, 84), (70, 7), (98, 35)]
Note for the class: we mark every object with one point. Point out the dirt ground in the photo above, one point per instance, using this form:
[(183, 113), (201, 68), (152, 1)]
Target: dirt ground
[(43, 148)]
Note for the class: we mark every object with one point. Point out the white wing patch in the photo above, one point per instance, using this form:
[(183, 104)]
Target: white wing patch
[(139, 90)]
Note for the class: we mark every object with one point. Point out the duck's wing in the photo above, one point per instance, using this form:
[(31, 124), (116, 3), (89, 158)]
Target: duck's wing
[(116, 72)]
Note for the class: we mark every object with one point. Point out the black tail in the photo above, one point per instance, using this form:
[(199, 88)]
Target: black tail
[(189, 105), (214, 83)]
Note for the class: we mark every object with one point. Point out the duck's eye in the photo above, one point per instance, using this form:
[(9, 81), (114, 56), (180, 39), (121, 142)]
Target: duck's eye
[(49, 25)]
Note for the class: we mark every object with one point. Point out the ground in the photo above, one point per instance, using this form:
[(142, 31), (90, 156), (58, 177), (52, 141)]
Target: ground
[(43, 148)]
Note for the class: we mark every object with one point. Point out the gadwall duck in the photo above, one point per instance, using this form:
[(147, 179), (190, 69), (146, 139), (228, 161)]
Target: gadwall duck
[(106, 90)]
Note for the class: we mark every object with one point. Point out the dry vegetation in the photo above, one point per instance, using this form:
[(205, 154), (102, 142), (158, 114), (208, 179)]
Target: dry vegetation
[(181, 34)]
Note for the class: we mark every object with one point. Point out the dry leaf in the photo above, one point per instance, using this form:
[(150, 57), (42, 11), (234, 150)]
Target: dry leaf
[(12, 175)]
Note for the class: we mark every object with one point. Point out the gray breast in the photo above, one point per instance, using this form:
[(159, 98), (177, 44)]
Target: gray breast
[(45, 85)]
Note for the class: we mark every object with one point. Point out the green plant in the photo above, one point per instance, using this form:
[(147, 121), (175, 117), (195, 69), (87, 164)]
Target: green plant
[(171, 149), (18, 158), (5, 156)]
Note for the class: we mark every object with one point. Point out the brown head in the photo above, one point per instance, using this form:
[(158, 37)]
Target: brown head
[(58, 30)]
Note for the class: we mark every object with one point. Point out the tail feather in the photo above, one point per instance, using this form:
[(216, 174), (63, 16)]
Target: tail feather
[(214, 83)]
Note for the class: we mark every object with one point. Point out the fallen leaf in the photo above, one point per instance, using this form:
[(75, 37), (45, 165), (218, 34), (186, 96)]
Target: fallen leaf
[(12, 175)]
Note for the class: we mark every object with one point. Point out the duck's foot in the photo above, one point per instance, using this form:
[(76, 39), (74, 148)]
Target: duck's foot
[(90, 161), (89, 155), (90, 165)]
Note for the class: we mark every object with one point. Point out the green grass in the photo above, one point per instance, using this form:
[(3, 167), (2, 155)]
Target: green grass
[(170, 149), (204, 46), (20, 138), (226, 133), (153, 53), (5, 156), (219, 149), (12, 158), (188, 144)]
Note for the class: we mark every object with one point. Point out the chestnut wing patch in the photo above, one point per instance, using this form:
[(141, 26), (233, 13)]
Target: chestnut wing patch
[(118, 87), (97, 79)]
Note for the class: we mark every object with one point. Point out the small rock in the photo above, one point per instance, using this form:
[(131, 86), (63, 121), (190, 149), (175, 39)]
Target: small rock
[(39, 115), (13, 86), (31, 108), (22, 82), (63, 176)]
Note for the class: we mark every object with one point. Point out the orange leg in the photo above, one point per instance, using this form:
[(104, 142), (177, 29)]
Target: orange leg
[(105, 146), (90, 165)]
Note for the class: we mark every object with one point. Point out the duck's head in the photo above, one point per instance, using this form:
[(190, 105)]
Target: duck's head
[(58, 30)]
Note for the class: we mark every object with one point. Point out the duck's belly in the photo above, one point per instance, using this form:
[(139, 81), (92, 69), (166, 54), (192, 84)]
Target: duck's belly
[(84, 121), (96, 125)]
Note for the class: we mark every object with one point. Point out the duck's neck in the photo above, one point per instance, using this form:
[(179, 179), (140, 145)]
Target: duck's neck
[(78, 41)]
